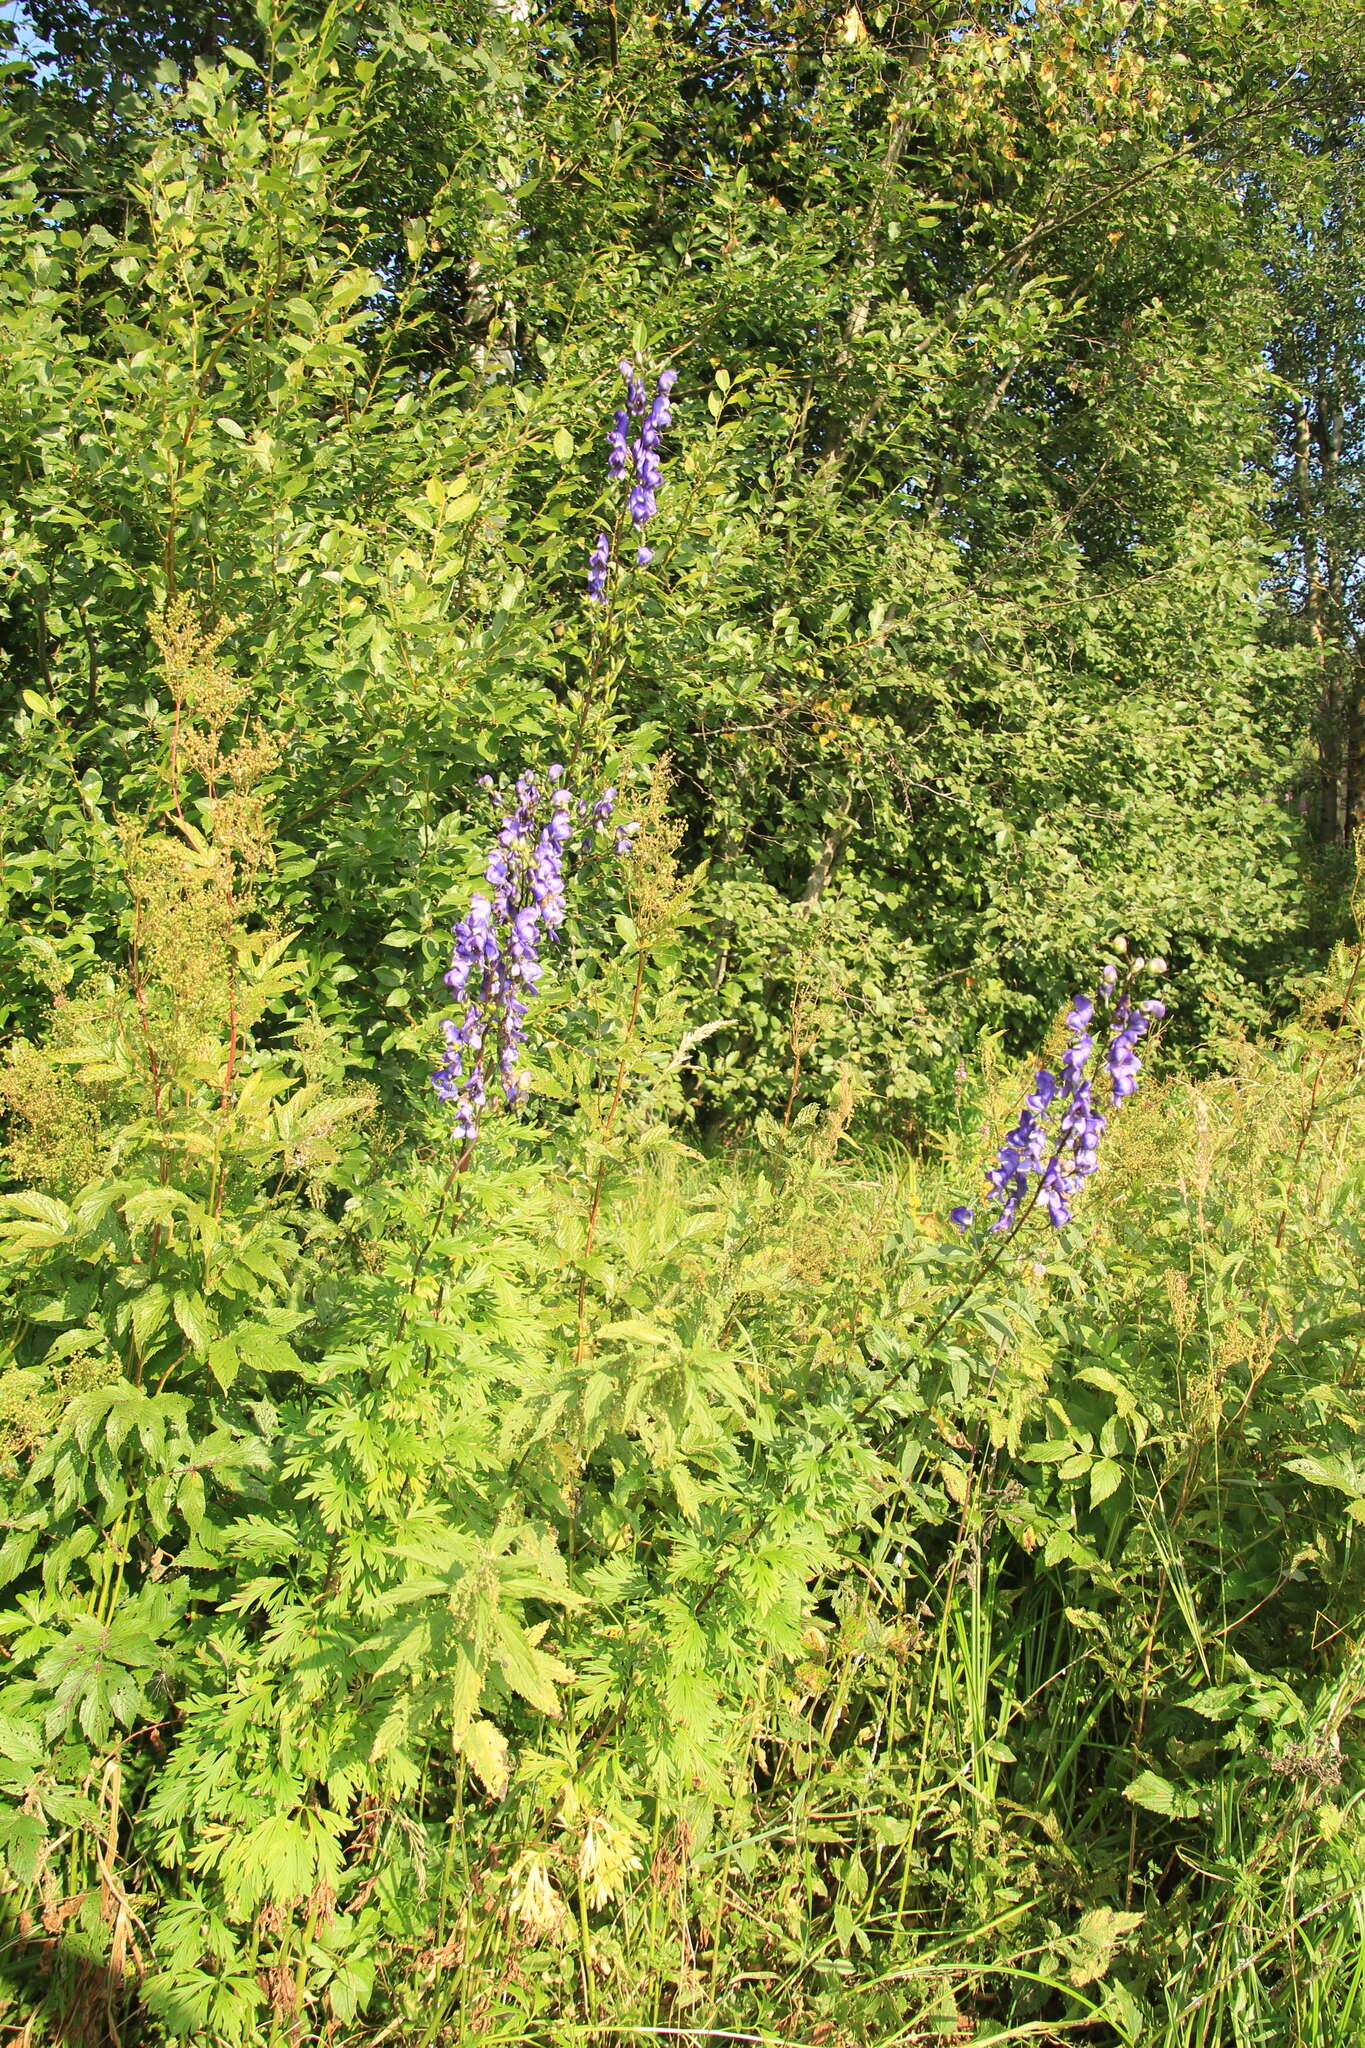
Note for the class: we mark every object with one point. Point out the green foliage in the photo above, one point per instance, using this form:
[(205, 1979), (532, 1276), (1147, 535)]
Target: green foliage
[(648, 1574), (956, 631), (476, 1632)]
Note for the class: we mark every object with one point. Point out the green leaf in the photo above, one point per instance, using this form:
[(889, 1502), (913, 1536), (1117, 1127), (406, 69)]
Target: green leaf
[(1344, 1475), (193, 1318), (45, 1208), (1091, 1948), (223, 1361), (1158, 1795), (19, 1742), (148, 1314), (22, 1839), (1105, 1478)]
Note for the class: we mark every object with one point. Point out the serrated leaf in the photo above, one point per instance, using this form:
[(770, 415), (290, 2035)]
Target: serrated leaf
[(44, 1208), (1159, 1795), (1216, 1702), (485, 1747), (530, 1671), (267, 1350), (19, 1742), (22, 1837), (193, 1318), (223, 1361), (1091, 1948), (1105, 1478), (1342, 1474), (149, 1312)]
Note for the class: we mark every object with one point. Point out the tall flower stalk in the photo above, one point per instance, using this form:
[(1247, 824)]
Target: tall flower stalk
[(497, 961), (634, 458), (1055, 1146), (498, 956)]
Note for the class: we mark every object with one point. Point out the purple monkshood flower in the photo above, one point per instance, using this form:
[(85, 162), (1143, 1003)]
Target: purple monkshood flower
[(599, 561), (496, 964), (636, 461), (635, 390), (1056, 1163), (618, 446)]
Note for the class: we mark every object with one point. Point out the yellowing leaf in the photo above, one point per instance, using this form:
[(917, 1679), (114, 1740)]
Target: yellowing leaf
[(486, 1750), (1092, 1946)]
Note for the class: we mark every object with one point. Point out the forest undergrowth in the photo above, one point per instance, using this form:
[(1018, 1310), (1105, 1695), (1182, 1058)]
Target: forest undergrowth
[(741, 1469), (571, 1585)]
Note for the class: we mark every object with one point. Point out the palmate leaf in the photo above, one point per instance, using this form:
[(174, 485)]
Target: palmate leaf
[(20, 1742), (528, 1670), (89, 1688), (282, 1858)]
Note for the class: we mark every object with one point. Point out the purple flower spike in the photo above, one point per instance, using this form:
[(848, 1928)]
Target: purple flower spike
[(497, 964), (636, 462), (1059, 1162), (961, 1217)]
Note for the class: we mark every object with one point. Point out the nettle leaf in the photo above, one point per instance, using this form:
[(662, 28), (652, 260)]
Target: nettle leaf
[(466, 1691), (1159, 1795), (23, 1840), (1091, 1948)]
